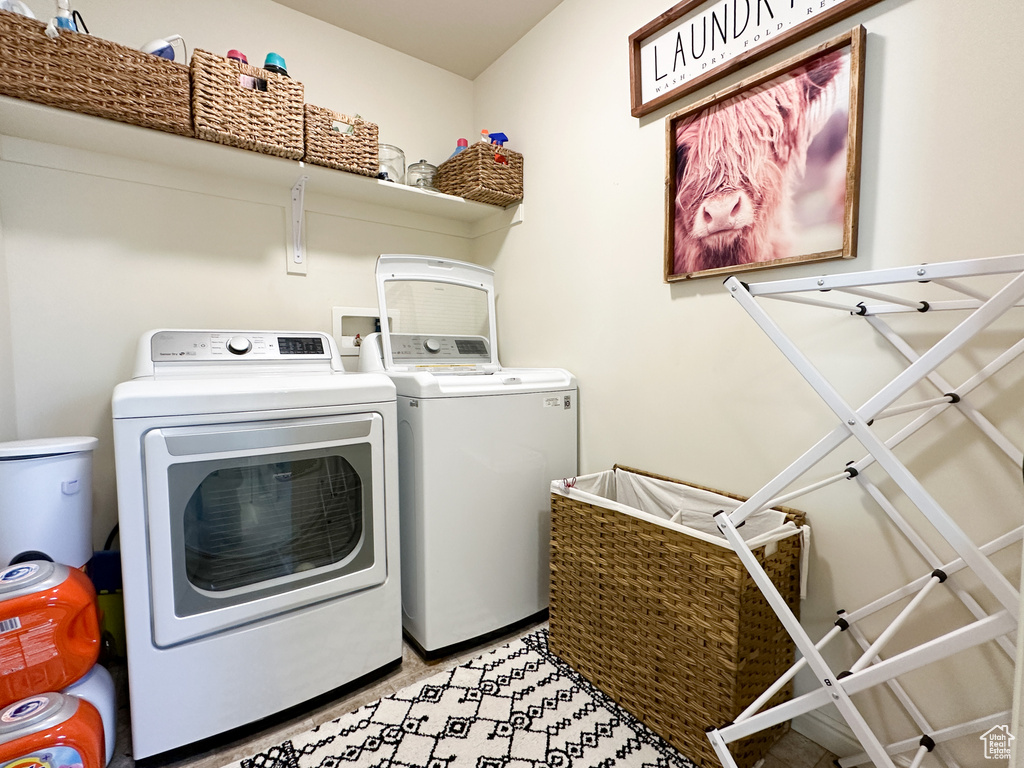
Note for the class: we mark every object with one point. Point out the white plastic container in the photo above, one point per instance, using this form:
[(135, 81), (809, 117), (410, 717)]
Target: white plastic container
[(97, 687), (46, 500)]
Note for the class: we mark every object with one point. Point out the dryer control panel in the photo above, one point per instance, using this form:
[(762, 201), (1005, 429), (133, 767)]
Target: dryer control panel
[(224, 346), (422, 348)]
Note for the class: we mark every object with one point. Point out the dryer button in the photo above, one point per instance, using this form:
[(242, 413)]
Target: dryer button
[(433, 346), (239, 345)]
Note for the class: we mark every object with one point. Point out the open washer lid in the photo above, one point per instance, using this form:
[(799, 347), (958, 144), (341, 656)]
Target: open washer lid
[(437, 315)]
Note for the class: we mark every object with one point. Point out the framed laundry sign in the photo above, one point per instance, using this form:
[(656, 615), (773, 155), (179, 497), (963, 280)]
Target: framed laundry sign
[(697, 41)]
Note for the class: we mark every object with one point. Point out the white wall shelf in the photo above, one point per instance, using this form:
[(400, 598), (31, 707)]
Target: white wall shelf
[(124, 147)]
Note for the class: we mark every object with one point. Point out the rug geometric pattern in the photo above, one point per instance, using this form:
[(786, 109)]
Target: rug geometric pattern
[(515, 707)]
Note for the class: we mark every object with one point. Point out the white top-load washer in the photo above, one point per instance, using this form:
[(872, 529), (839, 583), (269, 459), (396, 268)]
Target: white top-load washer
[(257, 501), (479, 445)]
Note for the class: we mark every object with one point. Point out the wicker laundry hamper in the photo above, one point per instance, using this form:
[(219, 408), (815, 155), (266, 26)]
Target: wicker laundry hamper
[(668, 624), (87, 74)]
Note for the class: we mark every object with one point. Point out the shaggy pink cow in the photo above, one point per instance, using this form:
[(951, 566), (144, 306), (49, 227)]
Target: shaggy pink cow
[(738, 164)]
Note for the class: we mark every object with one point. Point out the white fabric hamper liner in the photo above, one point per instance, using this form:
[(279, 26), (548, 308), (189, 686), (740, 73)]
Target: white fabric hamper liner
[(683, 508)]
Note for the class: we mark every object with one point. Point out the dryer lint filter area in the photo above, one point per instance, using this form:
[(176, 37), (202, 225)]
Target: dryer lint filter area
[(478, 445)]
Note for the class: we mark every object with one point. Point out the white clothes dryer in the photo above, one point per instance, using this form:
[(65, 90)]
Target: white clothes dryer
[(478, 448), (257, 504)]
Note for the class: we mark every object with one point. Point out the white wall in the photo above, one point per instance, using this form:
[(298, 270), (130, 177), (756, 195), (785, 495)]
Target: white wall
[(677, 379), (674, 378), (7, 421), (89, 262)]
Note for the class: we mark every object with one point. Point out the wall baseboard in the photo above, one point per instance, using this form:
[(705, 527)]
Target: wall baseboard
[(834, 735), (828, 732)]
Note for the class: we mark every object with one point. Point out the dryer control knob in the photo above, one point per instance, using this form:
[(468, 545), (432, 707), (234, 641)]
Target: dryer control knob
[(433, 346), (239, 345)]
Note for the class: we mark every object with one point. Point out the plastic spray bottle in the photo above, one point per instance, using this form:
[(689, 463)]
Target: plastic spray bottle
[(64, 18)]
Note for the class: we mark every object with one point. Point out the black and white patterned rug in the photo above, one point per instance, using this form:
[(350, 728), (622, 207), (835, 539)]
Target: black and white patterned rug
[(515, 707)]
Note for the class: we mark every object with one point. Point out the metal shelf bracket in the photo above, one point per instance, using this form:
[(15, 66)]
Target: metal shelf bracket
[(297, 255)]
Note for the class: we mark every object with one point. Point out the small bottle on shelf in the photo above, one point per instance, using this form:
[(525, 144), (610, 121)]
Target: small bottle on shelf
[(275, 63), (64, 18), (460, 146)]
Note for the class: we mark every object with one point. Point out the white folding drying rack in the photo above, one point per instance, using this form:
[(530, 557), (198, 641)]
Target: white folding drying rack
[(982, 307)]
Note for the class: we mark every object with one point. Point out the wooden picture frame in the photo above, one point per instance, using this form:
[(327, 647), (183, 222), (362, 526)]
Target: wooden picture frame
[(732, 34), (766, 173)]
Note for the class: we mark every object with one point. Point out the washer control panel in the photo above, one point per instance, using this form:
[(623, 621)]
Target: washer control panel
[(408, 348), (225, 346)]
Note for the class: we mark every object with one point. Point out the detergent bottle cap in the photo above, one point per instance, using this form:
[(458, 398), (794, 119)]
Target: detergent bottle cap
[(35, 714), (275, 63), (237, 56), (30, 577)]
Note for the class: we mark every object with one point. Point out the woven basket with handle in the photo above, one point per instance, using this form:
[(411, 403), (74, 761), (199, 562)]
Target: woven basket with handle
[(483, 172), (86, 74), (339, 141), (245, 106)]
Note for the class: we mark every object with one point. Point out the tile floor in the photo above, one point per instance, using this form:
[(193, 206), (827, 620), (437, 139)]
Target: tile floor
[(792, 751)]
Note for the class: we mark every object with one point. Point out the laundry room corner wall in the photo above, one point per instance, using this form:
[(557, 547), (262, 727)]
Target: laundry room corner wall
[(8, 428), (676, 379), (99, 247)]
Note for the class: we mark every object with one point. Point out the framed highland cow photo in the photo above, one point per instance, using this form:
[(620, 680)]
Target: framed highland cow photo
[(766, 173)]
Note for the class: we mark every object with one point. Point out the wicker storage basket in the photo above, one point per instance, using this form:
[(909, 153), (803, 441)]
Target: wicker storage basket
[(226, 108), (669, 625), (355, 152), (475, 174), (87, 74)]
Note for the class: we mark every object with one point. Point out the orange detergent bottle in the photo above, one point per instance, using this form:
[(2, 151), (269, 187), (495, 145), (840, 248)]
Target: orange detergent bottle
[(51, 730), (49, 628)]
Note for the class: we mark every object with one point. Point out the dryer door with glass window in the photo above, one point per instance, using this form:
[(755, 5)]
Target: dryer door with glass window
[(248, 520)]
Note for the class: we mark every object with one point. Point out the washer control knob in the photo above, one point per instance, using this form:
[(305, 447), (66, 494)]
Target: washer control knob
[(239, 345), (433, 346)]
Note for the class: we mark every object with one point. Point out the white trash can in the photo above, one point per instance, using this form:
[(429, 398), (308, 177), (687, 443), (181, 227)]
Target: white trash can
[(46, 500)]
